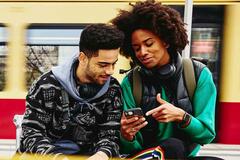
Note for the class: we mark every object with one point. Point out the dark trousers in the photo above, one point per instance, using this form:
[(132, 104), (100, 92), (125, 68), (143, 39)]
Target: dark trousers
[(176, 149), (173, 148), (66, 147)]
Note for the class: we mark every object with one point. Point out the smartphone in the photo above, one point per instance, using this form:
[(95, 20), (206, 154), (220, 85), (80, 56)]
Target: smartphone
[(133, 112)]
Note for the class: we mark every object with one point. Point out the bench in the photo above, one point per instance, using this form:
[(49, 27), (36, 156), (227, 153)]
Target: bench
[(17, 120)]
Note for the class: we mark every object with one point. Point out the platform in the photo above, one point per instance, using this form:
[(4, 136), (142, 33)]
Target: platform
[(228, 152)]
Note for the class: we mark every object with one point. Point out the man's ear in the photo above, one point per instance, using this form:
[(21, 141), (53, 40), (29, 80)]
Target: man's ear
[(82, 57)]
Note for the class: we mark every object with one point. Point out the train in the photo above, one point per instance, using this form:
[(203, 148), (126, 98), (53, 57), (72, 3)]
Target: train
[(36, 35)]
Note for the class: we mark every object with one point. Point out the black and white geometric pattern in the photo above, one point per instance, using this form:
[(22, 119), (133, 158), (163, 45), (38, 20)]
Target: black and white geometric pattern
[(92, 125)]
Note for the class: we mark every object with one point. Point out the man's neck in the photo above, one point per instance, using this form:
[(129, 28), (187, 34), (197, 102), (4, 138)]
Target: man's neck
[(80, 75)]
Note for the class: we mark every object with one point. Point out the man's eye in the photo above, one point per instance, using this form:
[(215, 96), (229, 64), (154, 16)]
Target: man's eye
[(102, 65)]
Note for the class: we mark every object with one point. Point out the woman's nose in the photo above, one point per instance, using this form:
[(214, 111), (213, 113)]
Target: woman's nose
[(143, 51)]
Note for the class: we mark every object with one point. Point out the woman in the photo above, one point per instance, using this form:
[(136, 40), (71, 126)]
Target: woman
[(154, 38)]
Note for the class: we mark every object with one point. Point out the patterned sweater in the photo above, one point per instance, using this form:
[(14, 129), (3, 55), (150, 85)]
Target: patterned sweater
[(50, 116)]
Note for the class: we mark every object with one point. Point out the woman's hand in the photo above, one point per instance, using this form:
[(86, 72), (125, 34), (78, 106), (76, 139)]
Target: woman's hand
[(130, 126), (166, 112)]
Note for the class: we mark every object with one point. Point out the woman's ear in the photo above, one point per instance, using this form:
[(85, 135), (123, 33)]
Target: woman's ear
[(165, 45)]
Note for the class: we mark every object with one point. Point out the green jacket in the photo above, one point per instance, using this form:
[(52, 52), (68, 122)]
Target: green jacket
[(202, 126)]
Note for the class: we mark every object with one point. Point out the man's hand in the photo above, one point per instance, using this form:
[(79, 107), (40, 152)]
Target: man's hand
[(166, 112), (99, 156), (130, 126), (60, 156)]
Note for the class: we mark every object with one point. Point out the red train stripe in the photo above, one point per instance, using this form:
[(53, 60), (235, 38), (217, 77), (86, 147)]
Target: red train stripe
[(228, 121), (8, 108)]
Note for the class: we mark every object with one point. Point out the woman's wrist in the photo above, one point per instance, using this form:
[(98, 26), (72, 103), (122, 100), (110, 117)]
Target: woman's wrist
[(186, 119), (180, 115), (127, 138)]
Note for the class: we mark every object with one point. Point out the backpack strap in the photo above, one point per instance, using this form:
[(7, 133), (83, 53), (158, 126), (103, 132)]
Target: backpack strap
[(189, 76), (137, 86)]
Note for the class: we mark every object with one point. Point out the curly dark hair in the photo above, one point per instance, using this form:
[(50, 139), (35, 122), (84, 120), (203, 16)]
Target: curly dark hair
[(162, 20), (100, 36)]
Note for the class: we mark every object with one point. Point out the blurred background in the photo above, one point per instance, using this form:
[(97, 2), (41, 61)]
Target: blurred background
[(36, 35)]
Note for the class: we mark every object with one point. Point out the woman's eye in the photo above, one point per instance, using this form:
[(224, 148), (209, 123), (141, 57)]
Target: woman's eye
[(136, 49), (149, 44)]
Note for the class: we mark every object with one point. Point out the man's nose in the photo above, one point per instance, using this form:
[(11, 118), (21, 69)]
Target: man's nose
[(109, 70)]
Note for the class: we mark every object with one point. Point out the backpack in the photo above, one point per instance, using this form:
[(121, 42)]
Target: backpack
[(189, 76)]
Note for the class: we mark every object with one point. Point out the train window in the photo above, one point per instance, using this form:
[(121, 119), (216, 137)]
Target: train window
[(206, 44), (3, 55), (48, 46), (207, 36), (207, 24)]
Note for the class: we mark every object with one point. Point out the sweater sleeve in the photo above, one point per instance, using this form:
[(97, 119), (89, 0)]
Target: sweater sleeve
[(128, 147), (202, 126), (109, 129), (33, 137)]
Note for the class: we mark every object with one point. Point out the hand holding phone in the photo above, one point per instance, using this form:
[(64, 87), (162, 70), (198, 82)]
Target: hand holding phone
[(131, 122), (133, 112)]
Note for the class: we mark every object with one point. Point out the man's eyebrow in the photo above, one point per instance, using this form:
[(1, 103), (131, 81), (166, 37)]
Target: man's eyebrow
[(107, 62)]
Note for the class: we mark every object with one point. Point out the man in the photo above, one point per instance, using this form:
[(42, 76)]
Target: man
[(76, 108)]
